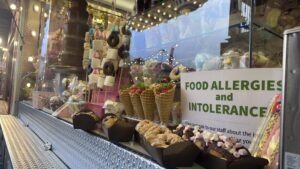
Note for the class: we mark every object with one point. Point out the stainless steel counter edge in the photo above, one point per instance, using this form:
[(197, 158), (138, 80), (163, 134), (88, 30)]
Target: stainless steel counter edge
[(79, 149)]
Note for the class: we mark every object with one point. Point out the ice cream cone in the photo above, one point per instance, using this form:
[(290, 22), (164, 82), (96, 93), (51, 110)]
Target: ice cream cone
[(148, 103), (164, 103), (137, 105), (126, 101)]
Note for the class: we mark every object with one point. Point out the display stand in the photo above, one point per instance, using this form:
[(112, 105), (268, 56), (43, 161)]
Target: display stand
[(99, 96)]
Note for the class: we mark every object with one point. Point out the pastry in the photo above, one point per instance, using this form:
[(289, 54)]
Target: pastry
[(109, 121), (176, 72)]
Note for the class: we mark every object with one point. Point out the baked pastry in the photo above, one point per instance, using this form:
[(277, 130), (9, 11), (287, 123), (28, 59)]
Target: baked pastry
[(176, 72), (109, 121), (143, 126)]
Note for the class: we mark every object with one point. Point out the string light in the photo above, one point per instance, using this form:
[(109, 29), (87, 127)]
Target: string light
[(164, 13), (33, 33), (30, 59), (28, 85), (158, 11), (36, 8), (169, 6), (13, 7)]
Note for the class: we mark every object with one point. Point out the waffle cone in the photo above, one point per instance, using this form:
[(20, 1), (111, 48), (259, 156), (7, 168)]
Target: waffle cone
[(137, 105), (148, 103), (126, 101), (164, 103)]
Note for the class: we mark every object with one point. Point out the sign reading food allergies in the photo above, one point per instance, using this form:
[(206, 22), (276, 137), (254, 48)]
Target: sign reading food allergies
[(230, 101)]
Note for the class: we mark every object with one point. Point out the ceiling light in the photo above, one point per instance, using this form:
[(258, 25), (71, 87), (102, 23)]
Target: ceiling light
[(149, 15), (30, 59), (132, 23), (152, 23), (28, 85), (146, 21), (45, 15), (164, 13), (158, 11), (143, 26), (163, 4), (141, 19), (159, 19), (33, 33), (195, 2), (139, 25), (170, 16), (13, 7), (175, 9), (36, 8), (155, 17), (169, 6)]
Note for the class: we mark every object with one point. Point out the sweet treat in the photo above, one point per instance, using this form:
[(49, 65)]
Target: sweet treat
[(164, 96), (179, 130), (231, 59), (175, 73), (98, 45), (109, 68), (109, 121), (109, 81), (125, 100), (85, 120), (123, 52), (135, 92), (112, 54), (187, 133), (148, 103), (113, 39), (55, 102), (100, 82), (157, 136), (143, 126)]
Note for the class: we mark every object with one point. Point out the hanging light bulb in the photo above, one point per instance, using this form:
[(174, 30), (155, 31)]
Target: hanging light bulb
[(170, 16), (164, 13), (155, 17), (160, 19), (158, 11), (149, 15), (169, 6), (152, 23), (146, 21)]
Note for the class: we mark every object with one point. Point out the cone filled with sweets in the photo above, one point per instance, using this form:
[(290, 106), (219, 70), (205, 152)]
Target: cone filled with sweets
[(164, 96), (135, 93), (148, 103), (126, 101)]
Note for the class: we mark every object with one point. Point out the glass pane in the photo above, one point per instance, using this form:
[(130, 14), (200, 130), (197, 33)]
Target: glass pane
[(201, 39), (271, 18)]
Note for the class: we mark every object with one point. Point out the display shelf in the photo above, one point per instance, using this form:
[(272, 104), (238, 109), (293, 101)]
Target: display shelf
[(260, 24)]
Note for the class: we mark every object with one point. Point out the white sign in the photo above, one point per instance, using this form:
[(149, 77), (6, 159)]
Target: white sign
[(230, 101)]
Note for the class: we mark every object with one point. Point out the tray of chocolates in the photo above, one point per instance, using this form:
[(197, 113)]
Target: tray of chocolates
[(217, 151), (116, 129), (165, 147)]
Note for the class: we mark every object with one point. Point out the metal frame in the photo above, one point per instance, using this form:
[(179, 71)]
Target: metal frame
[(289, 136)]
